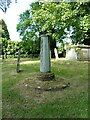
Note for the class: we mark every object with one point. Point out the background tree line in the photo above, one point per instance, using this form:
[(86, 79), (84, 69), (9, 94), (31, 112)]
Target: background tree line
[(56, 19), (10, 48)]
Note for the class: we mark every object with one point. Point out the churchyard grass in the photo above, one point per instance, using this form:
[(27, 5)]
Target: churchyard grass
[(21, 99)]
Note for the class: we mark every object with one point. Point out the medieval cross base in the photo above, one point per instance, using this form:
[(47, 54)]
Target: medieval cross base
[(45, 64)]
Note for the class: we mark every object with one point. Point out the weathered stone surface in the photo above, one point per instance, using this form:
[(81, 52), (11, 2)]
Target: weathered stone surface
[(45, 54), (71, 55), (46, 76), (89, 54), (84, 54), (56, 54)]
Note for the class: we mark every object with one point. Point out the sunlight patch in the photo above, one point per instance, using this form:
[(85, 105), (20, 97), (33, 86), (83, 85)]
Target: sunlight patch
[(30, 62)]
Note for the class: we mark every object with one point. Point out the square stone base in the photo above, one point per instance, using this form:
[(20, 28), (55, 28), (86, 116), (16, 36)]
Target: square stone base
[(45, 76)]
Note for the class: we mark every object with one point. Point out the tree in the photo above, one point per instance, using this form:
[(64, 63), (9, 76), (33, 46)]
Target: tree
[(5, 33), (52, 18), (81, 23), (29, 36), (4, 4), (55, 17), (4, 38)]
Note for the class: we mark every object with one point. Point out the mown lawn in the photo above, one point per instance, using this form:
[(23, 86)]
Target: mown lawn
[(22, 99)]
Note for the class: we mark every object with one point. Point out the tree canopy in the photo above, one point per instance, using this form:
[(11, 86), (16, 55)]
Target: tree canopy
[(52, 18), (4, 37), (5, 33)]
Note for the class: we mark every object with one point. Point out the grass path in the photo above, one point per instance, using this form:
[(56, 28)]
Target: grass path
[(21, 99)]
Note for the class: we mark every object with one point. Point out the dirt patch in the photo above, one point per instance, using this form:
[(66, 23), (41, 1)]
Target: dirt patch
[(36, 90), (57, 83)]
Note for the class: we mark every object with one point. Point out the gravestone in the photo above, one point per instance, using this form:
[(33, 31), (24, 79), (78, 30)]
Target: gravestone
[(18, 62), (71, 54), (56, 54)]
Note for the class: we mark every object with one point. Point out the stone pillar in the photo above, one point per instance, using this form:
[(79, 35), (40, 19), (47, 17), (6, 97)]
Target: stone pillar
[(45, 54), (45, 64)]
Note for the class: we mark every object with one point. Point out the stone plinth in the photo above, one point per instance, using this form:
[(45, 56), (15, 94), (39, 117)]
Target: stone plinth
[(84, 54), (46, 76)]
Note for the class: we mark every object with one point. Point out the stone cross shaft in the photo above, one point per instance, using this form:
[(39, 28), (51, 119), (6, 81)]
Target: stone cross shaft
[(45, 54)]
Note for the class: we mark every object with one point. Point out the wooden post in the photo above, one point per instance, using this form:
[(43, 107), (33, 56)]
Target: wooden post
[(18, 62)]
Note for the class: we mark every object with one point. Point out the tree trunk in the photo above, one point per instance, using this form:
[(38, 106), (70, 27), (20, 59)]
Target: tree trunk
[(5, 53), (2, 53)]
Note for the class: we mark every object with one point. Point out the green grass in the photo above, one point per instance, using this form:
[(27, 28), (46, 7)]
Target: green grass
[(22, 100)]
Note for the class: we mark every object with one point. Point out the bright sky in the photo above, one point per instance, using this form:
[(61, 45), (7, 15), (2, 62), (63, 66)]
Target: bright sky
[(12, 15)]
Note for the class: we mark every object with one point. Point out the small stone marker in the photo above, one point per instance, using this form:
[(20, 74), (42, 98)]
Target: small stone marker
[(18, 62), (56, 54)]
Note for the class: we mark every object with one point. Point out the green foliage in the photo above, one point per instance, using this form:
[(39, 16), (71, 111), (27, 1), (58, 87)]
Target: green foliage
[(9, 48), (52, 18), (5, 33), (77, 49), (68, 47), (4, 38), (29, 36), (82, 24)]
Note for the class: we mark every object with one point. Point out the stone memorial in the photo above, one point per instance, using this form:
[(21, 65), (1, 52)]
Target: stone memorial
[(84, 53), (56, 54), (45, 64), (89, 53), (45, 54), (71, 54)]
